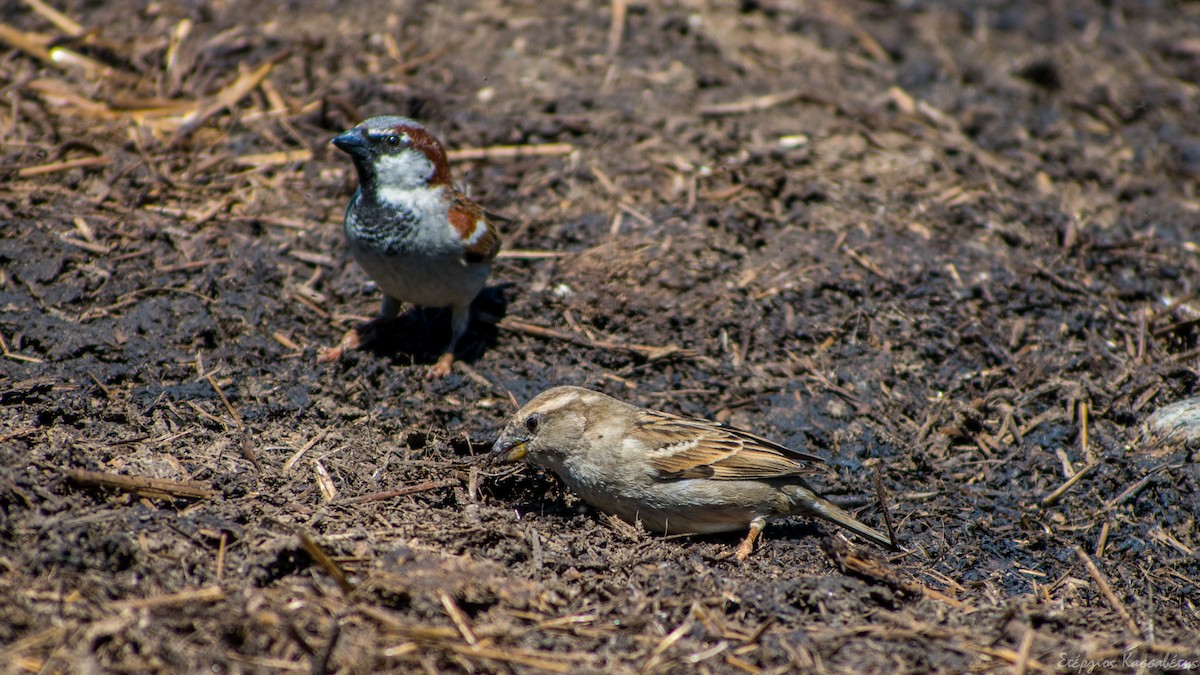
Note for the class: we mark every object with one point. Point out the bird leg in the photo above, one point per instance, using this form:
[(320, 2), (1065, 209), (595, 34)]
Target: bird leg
[(460, 317), (747, 545), (362, 334)]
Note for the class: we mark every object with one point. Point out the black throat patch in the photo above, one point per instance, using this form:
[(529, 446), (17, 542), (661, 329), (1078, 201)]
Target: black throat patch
[(387, 229)]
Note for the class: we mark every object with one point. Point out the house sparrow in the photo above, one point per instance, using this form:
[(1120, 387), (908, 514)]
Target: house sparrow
[(418, 238), (674, 474)]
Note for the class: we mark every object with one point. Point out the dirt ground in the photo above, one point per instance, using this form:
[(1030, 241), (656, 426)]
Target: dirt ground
[(953, 249)]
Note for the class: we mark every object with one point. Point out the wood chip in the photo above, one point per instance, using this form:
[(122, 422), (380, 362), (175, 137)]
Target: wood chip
[(156, 488)]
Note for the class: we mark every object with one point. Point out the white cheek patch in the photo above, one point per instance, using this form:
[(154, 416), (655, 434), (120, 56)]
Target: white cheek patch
[(405, 170)]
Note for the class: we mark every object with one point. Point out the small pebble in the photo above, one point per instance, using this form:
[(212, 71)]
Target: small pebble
[(1179, 421)]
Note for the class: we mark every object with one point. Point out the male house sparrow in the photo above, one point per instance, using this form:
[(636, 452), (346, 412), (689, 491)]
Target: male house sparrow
[(418, 238), (674, 474)]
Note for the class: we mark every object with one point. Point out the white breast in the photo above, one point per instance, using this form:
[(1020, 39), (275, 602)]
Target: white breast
[(421, 260)]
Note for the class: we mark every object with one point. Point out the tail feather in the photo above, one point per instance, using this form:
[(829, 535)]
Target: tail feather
[(827, 510)]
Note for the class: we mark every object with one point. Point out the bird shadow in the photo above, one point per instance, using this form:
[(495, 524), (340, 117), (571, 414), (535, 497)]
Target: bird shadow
[(420, 334)]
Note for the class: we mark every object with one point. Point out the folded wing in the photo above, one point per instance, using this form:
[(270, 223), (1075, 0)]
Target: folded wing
[(680, 447)]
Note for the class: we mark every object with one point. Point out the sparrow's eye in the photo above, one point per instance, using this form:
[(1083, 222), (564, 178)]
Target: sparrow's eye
[(392, 140), (533, 422)]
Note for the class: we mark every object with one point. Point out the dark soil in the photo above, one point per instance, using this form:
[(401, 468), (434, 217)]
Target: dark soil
[(954, 249)]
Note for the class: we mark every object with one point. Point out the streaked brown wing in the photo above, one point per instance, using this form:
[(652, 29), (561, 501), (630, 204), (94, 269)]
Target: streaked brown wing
[(496, 217), (478, 232), (679, 447)]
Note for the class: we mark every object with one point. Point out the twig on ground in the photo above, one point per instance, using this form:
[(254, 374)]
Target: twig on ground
[(17, 433), (322, 559), (448, 638), (1083, 433), (1023, 652), (1102, 540), (61, 21), (155, 488), (64, 165), (495, 152), (26, 42), (867, 264), (522, 254), (648, 352), (400, 492), (6, 353), (458, 617), (291, 461), (752, 104), (227, 98), (329, 491), (237, 419), (844, 556), (616, 29), (1053, 497), (1106, 590), (881, 496), (180, 599), (1133, 490)]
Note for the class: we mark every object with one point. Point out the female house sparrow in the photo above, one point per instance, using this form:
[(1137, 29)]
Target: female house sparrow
[(674, 474), (417, 237)]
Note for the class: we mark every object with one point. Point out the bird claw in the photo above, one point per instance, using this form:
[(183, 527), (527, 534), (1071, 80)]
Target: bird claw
[(747, 546), (443, 366), (745, 549), (350, 341)]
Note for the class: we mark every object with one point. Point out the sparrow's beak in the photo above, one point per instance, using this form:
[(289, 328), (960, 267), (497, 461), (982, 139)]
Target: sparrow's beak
[(509, 449), (353, 141)]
